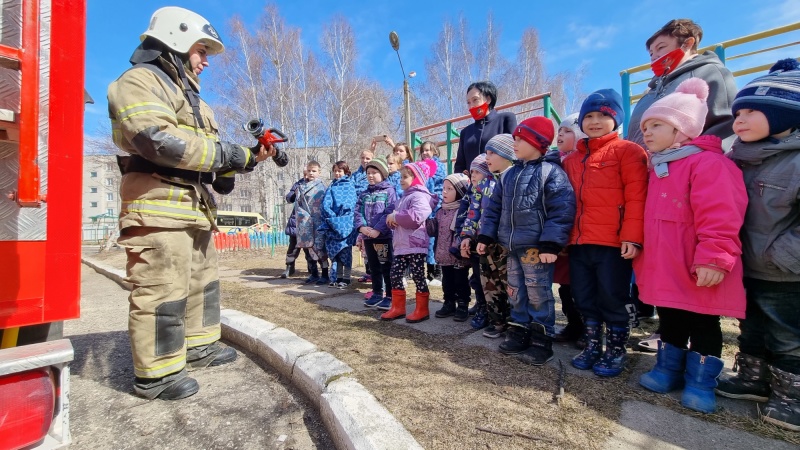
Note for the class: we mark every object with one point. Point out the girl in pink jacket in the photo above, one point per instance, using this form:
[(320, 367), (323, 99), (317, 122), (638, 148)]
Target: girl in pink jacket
[(690, 266)]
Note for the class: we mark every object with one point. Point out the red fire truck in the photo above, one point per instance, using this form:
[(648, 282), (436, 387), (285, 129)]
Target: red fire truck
[(42, 46)]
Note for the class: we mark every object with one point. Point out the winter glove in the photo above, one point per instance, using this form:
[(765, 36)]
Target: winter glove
[(237, 157), (224, 182)]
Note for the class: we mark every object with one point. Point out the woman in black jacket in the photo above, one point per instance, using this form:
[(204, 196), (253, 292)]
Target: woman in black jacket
[(481, 99)]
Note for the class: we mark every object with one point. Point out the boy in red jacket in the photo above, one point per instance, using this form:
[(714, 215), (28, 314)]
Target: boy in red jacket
[(609, 176)]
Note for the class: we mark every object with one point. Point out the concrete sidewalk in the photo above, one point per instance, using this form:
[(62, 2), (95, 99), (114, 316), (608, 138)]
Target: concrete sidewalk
[(641, 425), (240, 405)]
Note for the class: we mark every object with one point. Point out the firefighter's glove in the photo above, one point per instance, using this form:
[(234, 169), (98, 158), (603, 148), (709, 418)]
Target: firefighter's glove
[(237, 157), (224, 182)]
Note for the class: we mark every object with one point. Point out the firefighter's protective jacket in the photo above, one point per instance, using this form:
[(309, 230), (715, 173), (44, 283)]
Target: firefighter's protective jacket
[(151, 117)]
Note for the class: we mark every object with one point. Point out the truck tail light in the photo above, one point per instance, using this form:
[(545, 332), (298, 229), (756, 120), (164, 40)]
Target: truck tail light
[(27, 402)]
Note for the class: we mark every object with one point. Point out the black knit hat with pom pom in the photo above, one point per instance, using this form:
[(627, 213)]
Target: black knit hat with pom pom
[(776, 95)]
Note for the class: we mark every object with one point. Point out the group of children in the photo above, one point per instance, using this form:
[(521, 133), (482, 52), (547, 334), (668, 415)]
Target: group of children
[(697, 226)]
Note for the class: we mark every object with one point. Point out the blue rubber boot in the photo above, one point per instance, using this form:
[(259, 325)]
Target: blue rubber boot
[(701, 379), (592, 334), (613, 360), (667, 375)]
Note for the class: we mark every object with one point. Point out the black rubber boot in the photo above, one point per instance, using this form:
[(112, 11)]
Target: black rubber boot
[(518, 339), (291, 269), (541, 349), (783, 407), (462, 313), (750, 383), (171, 387), (212, 355), (447, 310)]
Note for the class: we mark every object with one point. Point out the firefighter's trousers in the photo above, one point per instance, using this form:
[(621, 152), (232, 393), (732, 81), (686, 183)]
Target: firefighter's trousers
[(174, 303)]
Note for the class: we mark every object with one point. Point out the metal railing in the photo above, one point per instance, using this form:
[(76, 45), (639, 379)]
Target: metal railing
[(628, 98), (451, 132)]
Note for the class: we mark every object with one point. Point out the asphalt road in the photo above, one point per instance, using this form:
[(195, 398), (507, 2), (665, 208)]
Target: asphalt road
[(240, 405)]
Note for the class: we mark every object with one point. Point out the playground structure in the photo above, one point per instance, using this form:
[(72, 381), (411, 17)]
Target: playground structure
[(541, 102), (629, 99)]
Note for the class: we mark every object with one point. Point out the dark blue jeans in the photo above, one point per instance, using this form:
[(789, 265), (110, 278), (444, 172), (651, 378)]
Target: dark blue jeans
[(530, 289), (771, 328), (601, 280)]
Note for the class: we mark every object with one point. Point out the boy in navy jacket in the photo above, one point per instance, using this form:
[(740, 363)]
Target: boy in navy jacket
[(531, 213)]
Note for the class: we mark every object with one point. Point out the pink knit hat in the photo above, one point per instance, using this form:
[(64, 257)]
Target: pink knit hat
[(685, 109), (422, 170)]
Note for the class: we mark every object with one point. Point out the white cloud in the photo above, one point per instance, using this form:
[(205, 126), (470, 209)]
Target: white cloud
[(591, 37), (775, 15)]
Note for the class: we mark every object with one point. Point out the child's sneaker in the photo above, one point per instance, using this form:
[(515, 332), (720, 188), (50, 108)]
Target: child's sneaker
[(368, 295), (373, 300), (311, 280), (365, 279), (332, 284), (495, 331), (481, 319), (385, 304), (344, 284)]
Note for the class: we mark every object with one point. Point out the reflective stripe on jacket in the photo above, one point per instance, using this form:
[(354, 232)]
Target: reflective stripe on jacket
[(151, 117)]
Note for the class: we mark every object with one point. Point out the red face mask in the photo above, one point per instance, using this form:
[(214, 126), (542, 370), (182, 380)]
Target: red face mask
[(480, 111), (668, 62)]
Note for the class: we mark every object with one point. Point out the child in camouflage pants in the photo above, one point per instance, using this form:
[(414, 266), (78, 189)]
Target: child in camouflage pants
[(499, 157)]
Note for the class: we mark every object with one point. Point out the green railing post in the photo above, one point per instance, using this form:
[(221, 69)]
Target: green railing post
[(547, 106), (720, 51), (449, 147), (626, 99)]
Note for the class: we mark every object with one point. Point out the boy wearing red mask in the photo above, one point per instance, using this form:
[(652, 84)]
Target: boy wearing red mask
[(481, 98), (674, 58)]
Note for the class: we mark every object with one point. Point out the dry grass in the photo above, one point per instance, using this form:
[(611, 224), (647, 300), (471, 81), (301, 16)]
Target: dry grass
[(442, 389)]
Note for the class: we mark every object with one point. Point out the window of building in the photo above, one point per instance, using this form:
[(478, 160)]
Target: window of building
[(245, 208), (109, 196), (93, 204), (110, 211), (93, 190), (109, 181), (93, 174)]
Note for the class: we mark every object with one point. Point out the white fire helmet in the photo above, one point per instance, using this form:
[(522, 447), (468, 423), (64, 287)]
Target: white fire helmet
[(179, 29)]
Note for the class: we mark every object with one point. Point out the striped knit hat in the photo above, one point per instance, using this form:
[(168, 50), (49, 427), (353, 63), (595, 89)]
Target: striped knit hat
[(379, 164), (479, 164), (459, 182), (776, 95), (422, 170), (502, 145)]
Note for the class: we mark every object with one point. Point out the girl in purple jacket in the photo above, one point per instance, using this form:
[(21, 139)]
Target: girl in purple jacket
[(410, 240), (690, 266)]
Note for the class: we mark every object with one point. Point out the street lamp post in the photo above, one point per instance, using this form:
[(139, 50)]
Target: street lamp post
[(394, 39)]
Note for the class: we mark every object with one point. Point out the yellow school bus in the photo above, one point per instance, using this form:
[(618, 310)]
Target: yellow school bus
[(240, 221)]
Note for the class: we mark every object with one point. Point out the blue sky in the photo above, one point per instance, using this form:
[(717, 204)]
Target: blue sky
[(607, 37)]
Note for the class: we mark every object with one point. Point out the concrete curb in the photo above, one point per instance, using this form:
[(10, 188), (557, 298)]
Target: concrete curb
[(354, 417), (112, 273)]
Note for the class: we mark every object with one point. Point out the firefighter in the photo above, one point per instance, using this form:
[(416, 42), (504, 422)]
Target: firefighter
[(168, 213)]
